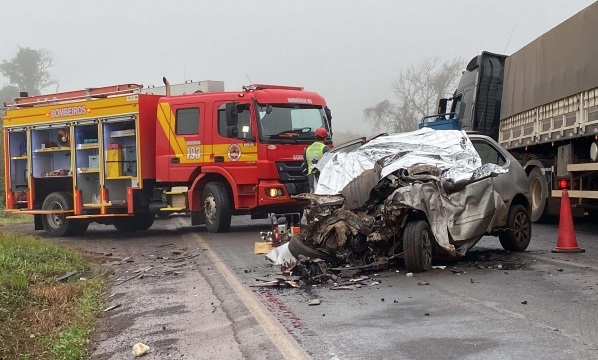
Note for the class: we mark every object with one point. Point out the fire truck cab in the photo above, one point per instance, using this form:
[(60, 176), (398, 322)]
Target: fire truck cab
[(119, 156)]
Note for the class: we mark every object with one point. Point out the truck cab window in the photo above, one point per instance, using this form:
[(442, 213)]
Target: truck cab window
[(243, 127), (187, 121), (488, 153)]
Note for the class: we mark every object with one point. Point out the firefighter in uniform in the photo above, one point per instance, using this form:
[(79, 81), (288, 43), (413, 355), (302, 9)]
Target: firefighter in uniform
[(313, 154)]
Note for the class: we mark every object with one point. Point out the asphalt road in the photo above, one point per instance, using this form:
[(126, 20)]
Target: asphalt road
[(492, 305), (195, 301)]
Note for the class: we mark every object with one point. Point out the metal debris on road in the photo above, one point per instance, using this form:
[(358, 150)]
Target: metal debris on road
[(423, 283), (66, 276), (111, 307)]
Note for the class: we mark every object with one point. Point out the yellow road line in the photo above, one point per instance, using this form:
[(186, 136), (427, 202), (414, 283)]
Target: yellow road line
[(285, 343)]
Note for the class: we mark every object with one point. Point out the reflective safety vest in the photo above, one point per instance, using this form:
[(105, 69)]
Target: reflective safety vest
[(313, 154)]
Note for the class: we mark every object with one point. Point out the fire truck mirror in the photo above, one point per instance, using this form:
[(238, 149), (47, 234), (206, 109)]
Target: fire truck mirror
[(232, 115), (328, 113), (232, 132)]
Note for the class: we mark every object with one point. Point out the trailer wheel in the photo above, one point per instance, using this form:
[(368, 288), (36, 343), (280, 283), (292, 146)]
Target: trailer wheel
[(417, 246), (58, 224), (137, 222), (538, 188), (216, 207), (520, 230)]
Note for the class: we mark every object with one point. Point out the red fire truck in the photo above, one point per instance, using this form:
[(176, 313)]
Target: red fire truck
[(116, 155)]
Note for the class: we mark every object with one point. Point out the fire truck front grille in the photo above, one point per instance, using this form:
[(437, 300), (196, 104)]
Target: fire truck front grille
[(290, 173)]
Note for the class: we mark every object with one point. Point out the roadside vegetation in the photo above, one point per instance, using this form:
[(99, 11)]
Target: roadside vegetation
[(41, 317), (8, 218)]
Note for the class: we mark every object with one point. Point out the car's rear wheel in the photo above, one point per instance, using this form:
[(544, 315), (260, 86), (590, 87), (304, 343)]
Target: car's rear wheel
[(417, 246), (519, 232)]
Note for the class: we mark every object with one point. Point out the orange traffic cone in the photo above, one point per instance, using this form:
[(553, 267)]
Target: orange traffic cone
[(567, 242)]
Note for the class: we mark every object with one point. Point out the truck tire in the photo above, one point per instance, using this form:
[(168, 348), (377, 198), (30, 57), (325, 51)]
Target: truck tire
[(417, 246), (57, 224), (137, 222), (520, 230), (297, 247), (538, 188), (216, 207)]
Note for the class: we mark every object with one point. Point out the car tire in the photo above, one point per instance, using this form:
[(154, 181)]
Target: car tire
[(297, 247), (417, 246), (519, 232), (57, 224), (137, 222), (538, 188), (216, 207)]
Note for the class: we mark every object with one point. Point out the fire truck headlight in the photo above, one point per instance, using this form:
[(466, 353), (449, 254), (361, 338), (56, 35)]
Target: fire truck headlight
[(274, 192)]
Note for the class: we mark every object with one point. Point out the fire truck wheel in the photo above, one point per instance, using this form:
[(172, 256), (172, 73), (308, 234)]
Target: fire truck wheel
[(137, 222), (57, 224), (216, 207)]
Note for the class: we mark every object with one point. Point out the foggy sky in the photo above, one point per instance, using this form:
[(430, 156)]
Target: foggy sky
[(347, 50)]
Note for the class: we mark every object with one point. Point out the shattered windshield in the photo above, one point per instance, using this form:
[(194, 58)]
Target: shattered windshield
[(292, 122)]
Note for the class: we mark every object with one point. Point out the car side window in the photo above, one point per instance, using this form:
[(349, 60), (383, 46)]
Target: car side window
[(488, 153)]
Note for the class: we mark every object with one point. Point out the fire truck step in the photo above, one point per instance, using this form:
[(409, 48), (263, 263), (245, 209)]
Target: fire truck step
[(97, 216)]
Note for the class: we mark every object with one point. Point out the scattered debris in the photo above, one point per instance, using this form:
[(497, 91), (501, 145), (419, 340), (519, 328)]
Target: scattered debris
[(262, 247), (423, 283), (524, 302), (441, 267), (314, 302), (382, 299), (128, 259), (409, 274), (66, 276), (471, 281), (107, 254), (560, 270), (111, 307), (140, 349), (164, 245), (427, 314)]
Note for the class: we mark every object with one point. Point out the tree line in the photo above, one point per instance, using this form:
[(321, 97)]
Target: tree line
[(28, 71)]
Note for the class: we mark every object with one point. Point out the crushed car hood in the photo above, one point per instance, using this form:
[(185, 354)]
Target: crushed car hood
[(449, 150)]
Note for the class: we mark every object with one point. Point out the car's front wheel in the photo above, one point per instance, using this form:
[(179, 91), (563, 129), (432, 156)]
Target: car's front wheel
[(417, 246), (519, 232)]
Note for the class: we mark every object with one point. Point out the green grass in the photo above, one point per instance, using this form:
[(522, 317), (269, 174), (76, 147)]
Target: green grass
[(39, 316), (10, 218)]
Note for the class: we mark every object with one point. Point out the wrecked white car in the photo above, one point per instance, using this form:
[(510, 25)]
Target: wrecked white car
[(415, 195)]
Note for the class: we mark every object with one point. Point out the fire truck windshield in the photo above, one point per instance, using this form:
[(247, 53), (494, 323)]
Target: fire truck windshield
[(289, 123)]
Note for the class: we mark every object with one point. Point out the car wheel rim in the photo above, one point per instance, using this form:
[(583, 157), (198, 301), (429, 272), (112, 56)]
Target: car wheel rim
[(521, 227), (536, 190), (56, 220), (427, 248), (210, 208)]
